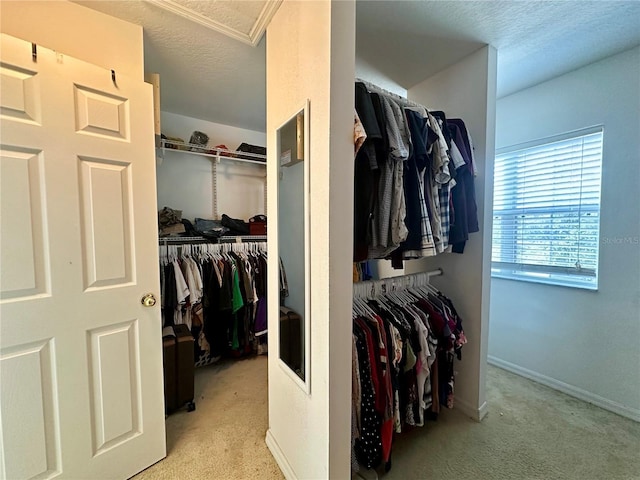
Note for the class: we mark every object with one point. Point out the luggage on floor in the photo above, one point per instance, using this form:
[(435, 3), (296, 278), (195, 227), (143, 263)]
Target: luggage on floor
[(169, 368), (179, 368)]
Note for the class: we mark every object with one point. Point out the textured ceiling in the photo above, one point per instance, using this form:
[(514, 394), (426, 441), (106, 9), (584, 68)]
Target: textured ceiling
[(205, 74), (244, 20), (240, 16), (408, 41)]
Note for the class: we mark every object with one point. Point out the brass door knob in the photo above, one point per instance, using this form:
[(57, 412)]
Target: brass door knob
[(149, 300)]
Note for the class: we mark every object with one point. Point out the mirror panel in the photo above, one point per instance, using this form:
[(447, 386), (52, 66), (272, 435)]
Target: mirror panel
[(293, 241)]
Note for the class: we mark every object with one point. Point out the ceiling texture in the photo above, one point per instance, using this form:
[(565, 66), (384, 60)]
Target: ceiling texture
[(408, 41), (211, 54), (204, 53)]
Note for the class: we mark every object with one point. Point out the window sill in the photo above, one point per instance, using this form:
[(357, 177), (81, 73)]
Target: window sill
[(545, 279)]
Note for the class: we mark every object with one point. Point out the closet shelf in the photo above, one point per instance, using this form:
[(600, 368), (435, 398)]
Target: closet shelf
[(222, 239), (217, 153)]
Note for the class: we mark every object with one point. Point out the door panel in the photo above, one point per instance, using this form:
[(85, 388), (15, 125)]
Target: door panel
[(19, 94), (115, 389), (100, 113), (29, 411), (24, 257), (106, 222), (79, 355)]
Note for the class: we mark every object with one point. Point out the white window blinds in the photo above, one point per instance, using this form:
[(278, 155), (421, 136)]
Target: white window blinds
[(546, 210)]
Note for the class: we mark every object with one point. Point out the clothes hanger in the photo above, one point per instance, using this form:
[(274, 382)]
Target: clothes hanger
[(360, 296), (405, 293), (357, 307), (378, 293), (394, 293), (370, 311)]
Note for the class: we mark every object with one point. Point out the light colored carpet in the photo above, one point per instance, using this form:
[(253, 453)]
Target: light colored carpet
[(224, 437), (531, 432)]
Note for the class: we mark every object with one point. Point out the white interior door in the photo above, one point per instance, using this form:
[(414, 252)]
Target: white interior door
[(80, 356)]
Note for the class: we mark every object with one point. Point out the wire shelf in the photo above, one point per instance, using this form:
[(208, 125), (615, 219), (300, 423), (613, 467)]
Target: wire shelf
[(217, 153)]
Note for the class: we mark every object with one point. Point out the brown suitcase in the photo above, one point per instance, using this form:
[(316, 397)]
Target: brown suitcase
[(169, 368), (179, 369), (185, 366)]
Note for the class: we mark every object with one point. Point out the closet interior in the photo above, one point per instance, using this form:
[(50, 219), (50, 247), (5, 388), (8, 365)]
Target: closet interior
[(418, 155), (220, 294), (414, 198), (419, 194), (389, 184), (212, 239)]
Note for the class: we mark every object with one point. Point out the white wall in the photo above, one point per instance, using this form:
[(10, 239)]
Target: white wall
[(467, 90), (311, 55), (77, 31), (366, 71), (584, 342), (185, 181)]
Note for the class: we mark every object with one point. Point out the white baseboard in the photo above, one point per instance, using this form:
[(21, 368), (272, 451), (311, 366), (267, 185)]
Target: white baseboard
[(584, 395), (279, 456), (483, 411), (470, 411)]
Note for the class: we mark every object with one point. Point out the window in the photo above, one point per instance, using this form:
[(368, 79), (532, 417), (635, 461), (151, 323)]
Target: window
[(546, 210)]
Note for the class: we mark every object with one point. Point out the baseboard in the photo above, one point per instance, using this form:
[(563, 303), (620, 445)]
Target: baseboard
[(483, 411), (279, 456), (470, 411), (628, 412)]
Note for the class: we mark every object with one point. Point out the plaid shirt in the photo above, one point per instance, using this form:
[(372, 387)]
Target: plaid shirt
[(444, 193), (427, 244)]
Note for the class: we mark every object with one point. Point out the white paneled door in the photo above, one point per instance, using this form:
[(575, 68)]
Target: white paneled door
[(80, 356)]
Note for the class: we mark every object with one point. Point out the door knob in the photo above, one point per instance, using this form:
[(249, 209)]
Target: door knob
[(149, 300)]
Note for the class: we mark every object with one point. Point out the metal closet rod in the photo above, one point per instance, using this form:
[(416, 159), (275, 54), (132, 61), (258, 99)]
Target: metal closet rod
[(401, 281), (242, 238), (372, 87), (166, 240)]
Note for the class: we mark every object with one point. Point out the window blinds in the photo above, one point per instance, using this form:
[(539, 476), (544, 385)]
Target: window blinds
[(546, 210)]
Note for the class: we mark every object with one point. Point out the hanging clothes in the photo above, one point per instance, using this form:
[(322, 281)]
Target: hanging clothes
[(404, 345), (414, 192), (219, 292)]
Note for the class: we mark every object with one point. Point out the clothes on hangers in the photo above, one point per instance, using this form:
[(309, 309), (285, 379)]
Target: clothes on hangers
[(219, 292), (404, 345), (414, 192)]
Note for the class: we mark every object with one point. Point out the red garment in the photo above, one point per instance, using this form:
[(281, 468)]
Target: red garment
[(381, 379), (386, 431), (386, 435)]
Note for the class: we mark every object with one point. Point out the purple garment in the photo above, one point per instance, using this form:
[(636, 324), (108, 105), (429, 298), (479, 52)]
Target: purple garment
[(462, 141), (260, 324)]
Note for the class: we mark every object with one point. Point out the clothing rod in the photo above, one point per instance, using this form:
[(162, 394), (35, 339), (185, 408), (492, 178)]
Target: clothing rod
[(398, 98), (393, 283), (242, 238), (165, 240), (433, 273)]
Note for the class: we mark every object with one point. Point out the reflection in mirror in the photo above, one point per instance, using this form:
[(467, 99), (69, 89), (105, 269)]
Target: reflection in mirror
[(291, 243)]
